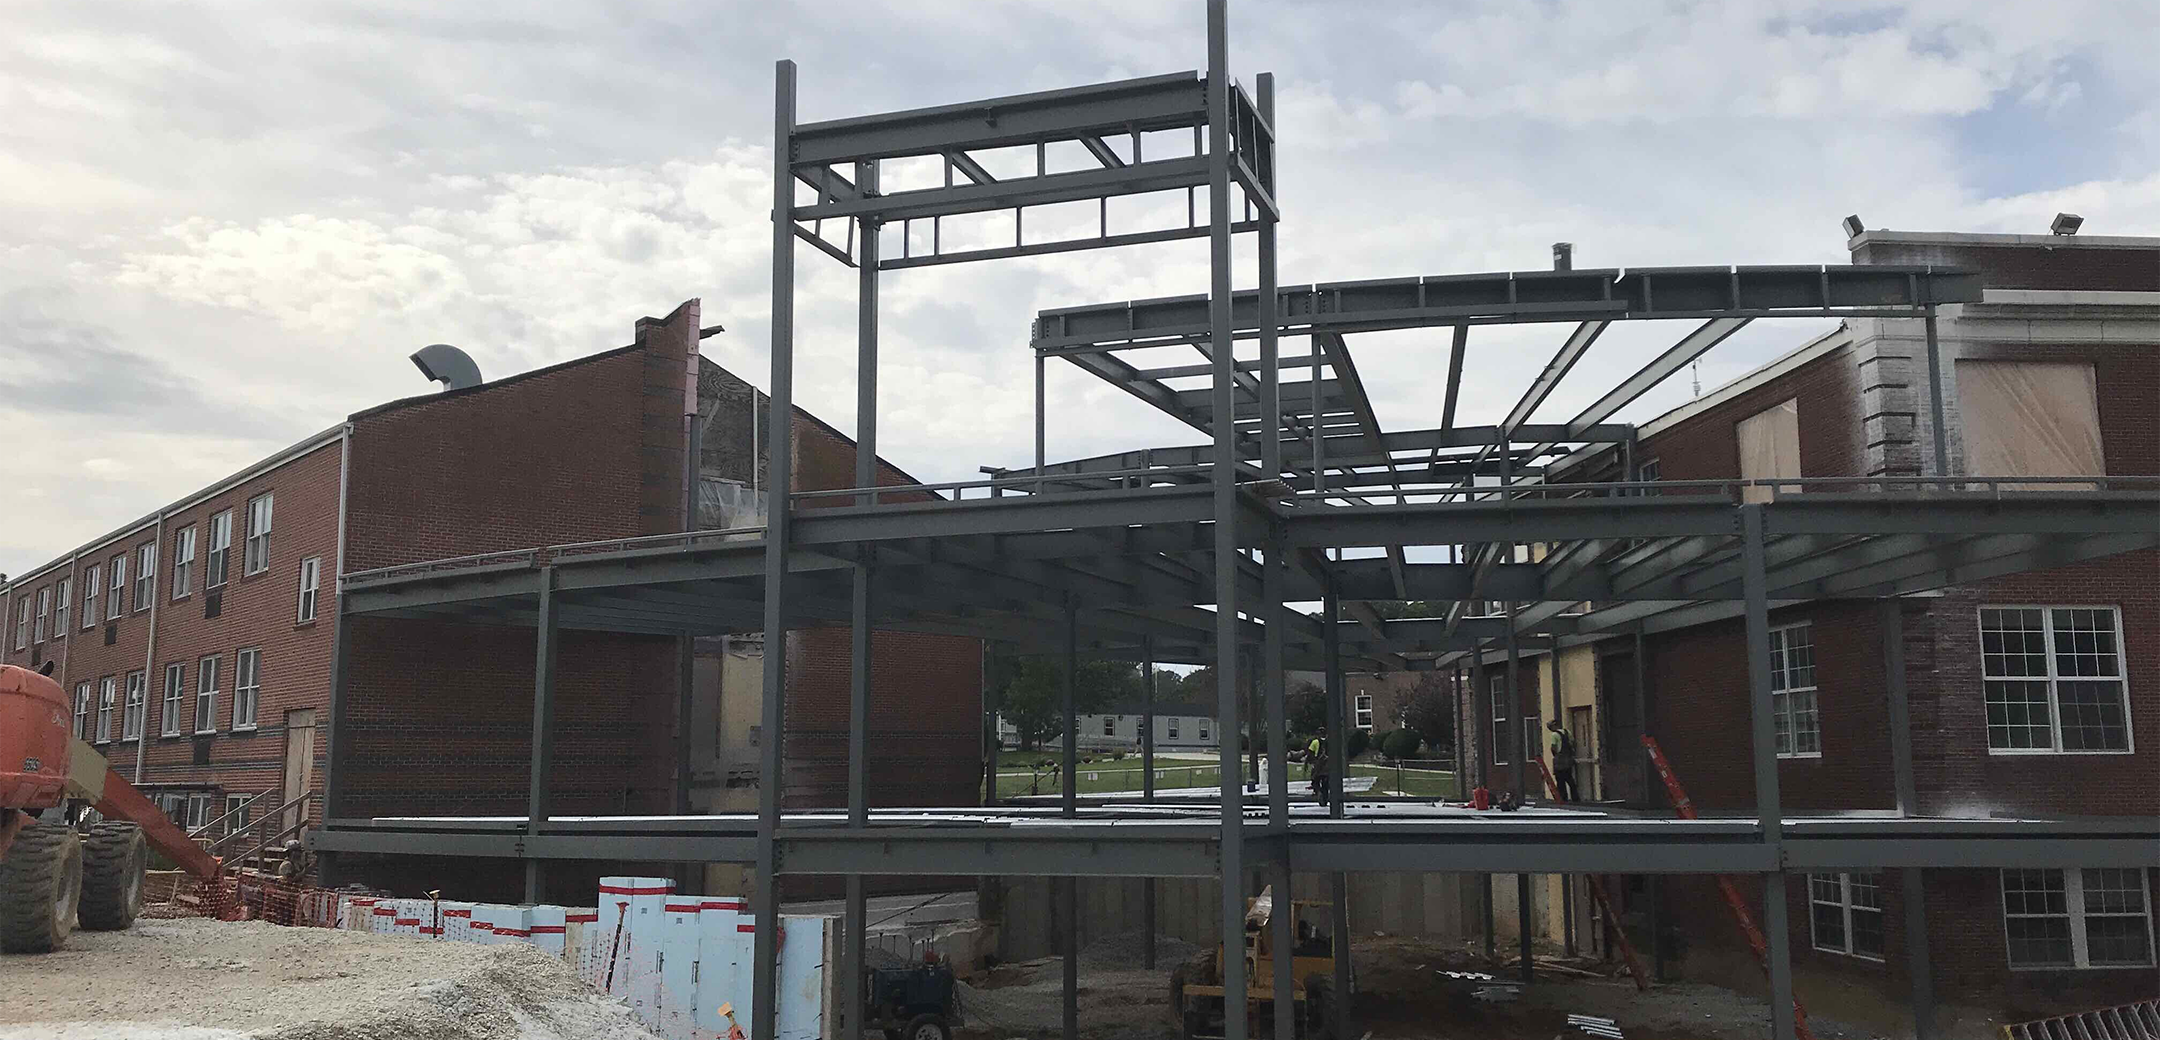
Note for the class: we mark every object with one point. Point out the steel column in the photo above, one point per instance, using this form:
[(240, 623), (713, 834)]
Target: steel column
[(1521, 755), (1224, 476), (866, 475), (1918, 967), (1917, 962), (1069, 799), (543, 724), (1272, 580), (780, 485), (1069, 896), (1147, 722), (1935, 392), (1338, 736), (340, 661), (1755, 587)]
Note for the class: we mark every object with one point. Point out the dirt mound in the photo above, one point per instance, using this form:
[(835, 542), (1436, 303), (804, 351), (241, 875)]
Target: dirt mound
[(197, 979)]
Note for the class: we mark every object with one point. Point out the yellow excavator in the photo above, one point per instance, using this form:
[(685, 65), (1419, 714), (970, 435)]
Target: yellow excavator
[(1197, 1003)]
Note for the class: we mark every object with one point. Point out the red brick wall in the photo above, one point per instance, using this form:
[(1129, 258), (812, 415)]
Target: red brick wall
[(2062, 266), (256, 611), (1706, 446)]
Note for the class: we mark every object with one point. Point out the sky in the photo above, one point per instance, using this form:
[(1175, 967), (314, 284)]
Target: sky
[(223, 227)]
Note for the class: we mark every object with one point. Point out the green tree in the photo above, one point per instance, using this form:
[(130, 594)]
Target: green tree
[(1306, 706), (1426, 709), (1031, 693)]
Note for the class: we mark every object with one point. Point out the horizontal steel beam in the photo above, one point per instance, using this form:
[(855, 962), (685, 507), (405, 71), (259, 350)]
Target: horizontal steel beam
[(1149, 103)]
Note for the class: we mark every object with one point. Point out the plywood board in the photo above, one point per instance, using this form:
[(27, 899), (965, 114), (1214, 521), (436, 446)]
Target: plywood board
[(2030, 419)]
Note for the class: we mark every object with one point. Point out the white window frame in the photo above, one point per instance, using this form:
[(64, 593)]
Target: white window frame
[(145, 574), (1846, 908), (183, 566), (310, 589), (108, 693), (1497, 694), (82, 710), (92, 591), (116, 587), (136, 705), (1109, 725), (1203, 729), (1170, 725), (236, 803), (255, 551), (62, 594), (2073, 879), (2054, 688), (1361, 704), (174, 700), (22, 623), (209, 671), (44, 615), (217, 559), (198, 810), (247, 688), (1784, 719), (1648, 470)]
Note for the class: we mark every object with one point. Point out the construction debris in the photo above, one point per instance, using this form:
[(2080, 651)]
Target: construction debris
[(1595, 1026)]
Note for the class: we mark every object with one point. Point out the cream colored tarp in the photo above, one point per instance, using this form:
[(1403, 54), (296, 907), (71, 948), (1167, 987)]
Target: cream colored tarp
[(1769, 447), (2030, 419)]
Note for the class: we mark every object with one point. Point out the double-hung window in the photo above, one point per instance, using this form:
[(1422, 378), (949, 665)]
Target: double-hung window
[(90, 589), (131, 719), (257, 551), (22, 623), (2098, 917), (215, 565), (1170, 727), (44, 614), (175, 701), (106, 689), (183, 562), (62, 594), (1363, 707), (145, 574), (1792, 692), (310, 589), (1845, 911), (1109, 725), (116, 593), (247, 687), (82, 711), (2053, 678), (206, 691)]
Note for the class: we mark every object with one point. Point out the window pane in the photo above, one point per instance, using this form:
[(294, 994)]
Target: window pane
[(1806, 725), (2092, 716), (2034, 892), (2039, 941), (2017, 714), (2117, 941), (1829, 926), (2085, 643), (2013, 644), (2114, 890)]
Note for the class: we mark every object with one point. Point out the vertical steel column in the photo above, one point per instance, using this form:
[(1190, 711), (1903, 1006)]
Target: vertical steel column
[(1755, 589), (543, 725), (340, 660), (1935, 389), (1911, 879), (1224, 396), (1339, 976), (1147, 786), (1249, 665), (866, 476), (1040, 419), (1069, 799), (1331, 658), (1521, 755), (1069, 897), (1272, 581), (1654, 885), (765, 950)]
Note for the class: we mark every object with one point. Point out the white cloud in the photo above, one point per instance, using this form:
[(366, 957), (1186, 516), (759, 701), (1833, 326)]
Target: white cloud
[(260, 214)]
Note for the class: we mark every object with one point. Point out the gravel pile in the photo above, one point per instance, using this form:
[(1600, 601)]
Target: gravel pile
[(197, 979), (1129, 949)]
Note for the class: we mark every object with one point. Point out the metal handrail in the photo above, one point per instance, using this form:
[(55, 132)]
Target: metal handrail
[(1030, 478), (399, 570), (277, 814), (235, 811), (656, 541)]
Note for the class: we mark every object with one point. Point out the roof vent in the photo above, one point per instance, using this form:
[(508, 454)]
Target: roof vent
[(448, 365)]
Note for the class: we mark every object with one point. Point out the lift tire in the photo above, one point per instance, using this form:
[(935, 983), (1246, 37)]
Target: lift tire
[(927, 1027), (40, 885), (114, 858)]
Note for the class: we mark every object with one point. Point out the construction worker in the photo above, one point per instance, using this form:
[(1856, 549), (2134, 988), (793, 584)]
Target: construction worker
[(1316, 754), (1563, 761)]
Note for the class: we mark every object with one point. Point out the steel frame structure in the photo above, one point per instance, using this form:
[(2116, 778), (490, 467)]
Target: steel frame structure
[(1200, 554)]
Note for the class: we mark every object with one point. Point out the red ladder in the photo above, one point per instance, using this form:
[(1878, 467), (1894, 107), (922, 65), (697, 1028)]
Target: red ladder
[(1746, 920)]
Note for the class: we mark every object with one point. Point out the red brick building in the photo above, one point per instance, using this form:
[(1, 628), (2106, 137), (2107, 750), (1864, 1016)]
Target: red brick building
[(203, 670), (2029, 695)]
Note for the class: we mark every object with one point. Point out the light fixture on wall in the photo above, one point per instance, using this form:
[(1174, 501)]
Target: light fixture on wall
[(2066, 224), (1853, 227)]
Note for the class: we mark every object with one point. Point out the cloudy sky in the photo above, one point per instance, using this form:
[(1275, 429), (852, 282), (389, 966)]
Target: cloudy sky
[(223, 227)]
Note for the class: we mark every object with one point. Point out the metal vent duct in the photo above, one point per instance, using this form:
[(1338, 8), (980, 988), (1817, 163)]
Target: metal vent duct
[(448, 365)]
